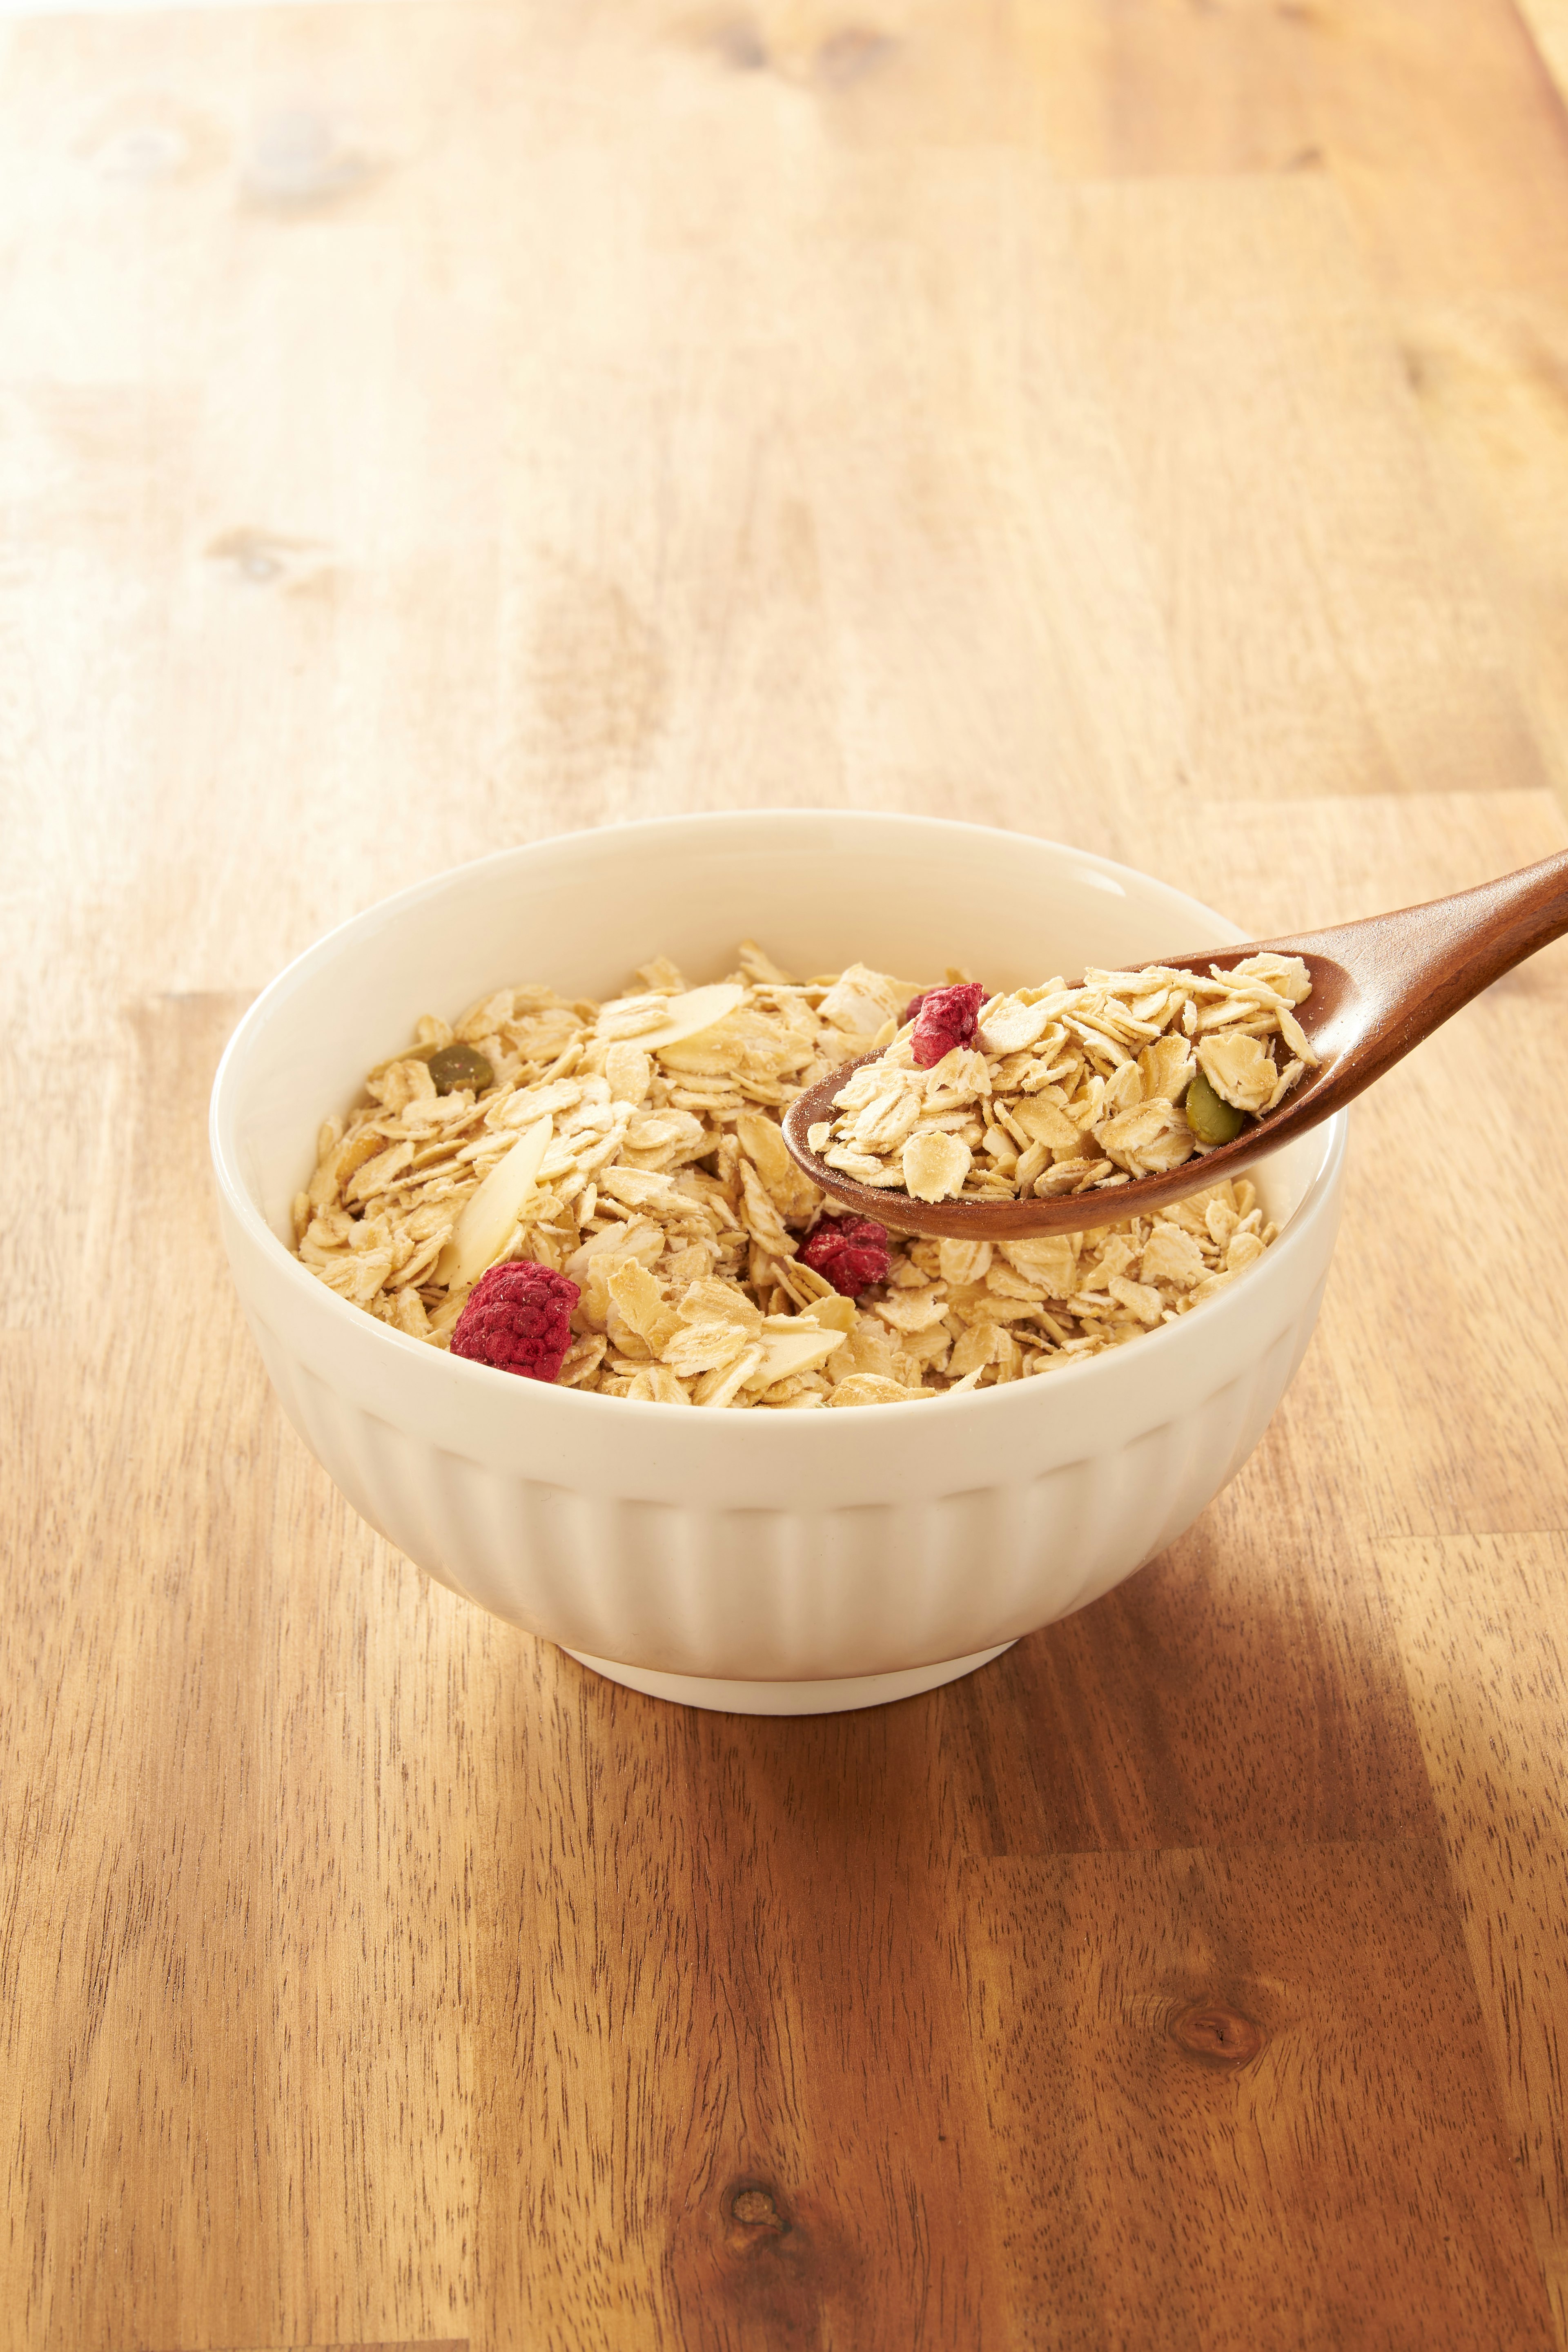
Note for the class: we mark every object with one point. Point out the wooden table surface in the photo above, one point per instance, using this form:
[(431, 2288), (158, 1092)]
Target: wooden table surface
[(425, 427)]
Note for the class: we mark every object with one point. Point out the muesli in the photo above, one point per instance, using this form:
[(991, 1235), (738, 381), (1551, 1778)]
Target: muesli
[(1074, 1088), (600, 1194)]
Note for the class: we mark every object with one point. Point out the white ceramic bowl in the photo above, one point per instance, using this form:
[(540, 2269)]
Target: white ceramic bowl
[(782, 1563)]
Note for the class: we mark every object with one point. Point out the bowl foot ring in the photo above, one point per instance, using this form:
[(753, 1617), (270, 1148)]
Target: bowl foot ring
[(789, 1698)]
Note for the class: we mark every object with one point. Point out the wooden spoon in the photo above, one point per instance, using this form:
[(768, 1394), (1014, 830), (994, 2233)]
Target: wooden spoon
[(1379, 987)]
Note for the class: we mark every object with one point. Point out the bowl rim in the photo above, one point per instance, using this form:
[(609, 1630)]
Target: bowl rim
[(1317, 1195)]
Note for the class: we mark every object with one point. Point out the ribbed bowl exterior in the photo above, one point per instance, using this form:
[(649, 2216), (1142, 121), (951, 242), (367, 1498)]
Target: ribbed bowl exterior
[(751, 1547)]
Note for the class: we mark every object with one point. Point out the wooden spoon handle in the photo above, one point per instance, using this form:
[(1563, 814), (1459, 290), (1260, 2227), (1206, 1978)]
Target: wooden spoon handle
[(1413, 969)]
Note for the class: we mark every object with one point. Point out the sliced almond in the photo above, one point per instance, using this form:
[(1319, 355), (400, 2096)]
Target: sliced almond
[(688, 1016), (485, 1226)]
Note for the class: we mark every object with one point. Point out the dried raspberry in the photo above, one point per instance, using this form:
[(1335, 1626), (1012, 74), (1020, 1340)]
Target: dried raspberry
[(947, 1017), (518, 1319), (851, 1253)]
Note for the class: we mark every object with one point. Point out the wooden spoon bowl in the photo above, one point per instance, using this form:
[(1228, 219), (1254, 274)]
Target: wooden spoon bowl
[(1379, 987)]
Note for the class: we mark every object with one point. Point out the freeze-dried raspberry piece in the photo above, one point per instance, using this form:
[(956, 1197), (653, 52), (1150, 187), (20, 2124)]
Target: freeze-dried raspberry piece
[(851, 1253), (947, 1017), (518, 1319)]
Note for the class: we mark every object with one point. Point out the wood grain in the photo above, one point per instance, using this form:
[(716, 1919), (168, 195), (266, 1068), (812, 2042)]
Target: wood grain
[(1484, 1634), (1419, 1446), (253, 1825), (1112, 1732), (1206, 2094), (422, 429), (1431, 143), (751, 1895)]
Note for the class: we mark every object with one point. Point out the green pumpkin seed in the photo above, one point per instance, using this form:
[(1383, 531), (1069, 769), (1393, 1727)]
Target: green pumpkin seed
[(1210, 1117), (456, 1065)]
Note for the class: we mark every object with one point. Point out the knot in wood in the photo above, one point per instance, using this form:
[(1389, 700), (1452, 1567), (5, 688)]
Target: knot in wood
[(757, 2209), (1214, 2031)]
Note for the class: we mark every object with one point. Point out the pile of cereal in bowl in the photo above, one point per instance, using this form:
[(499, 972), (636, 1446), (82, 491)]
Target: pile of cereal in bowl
[(600, 1194)]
